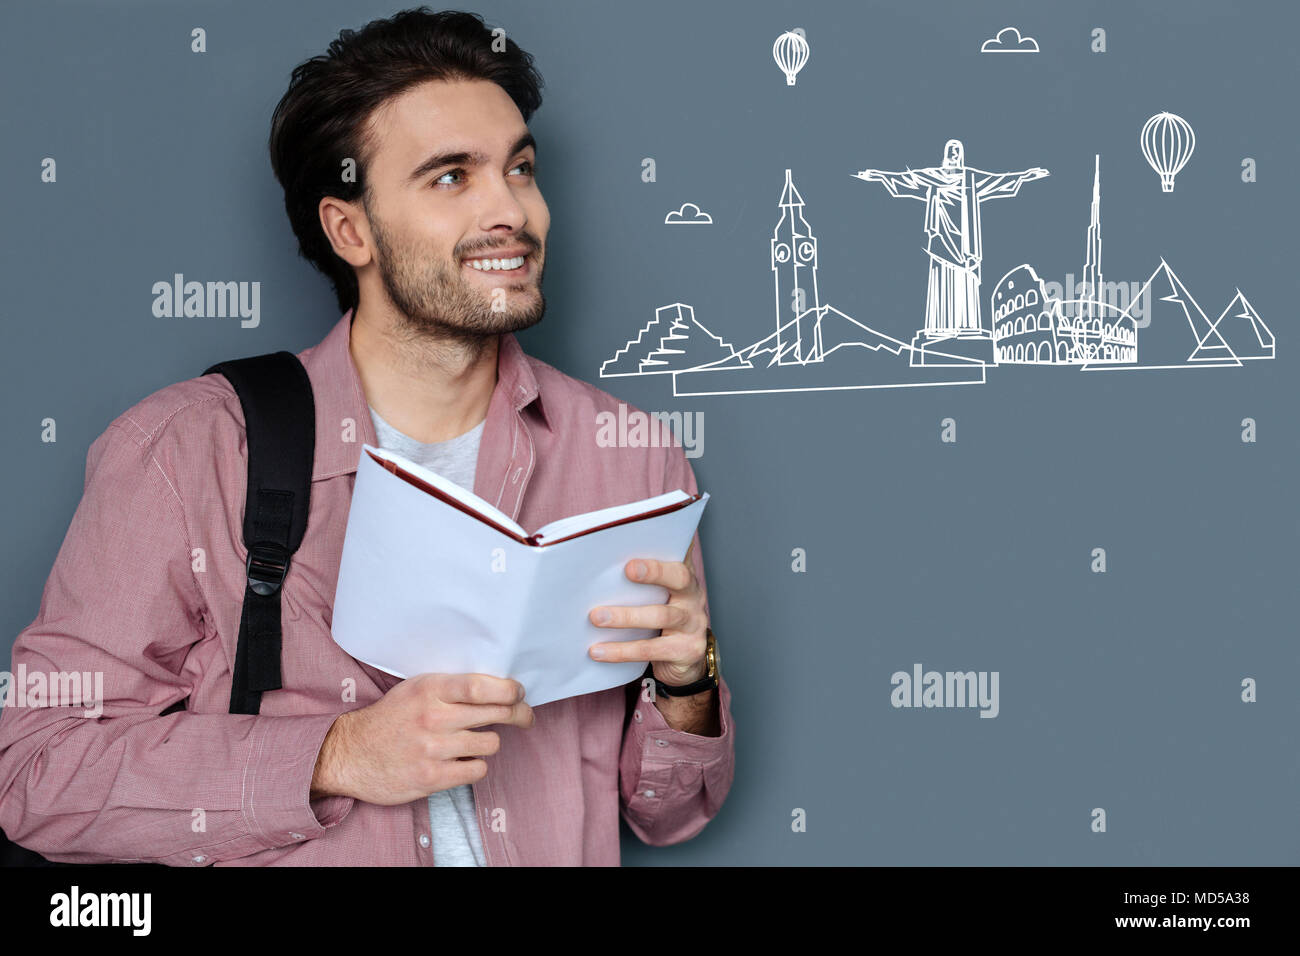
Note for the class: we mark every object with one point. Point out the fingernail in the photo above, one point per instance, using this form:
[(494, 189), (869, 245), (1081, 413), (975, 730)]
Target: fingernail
[(638, 569), (598, 653), (603, 616)]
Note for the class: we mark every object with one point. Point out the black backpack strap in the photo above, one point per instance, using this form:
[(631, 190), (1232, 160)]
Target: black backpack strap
[(280, 421)]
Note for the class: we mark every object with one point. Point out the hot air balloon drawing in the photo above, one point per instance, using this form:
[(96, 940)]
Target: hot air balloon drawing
[(1167, 143), (790, 52)]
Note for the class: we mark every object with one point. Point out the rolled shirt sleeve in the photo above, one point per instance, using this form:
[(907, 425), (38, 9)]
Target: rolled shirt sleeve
[(672, 782), (101, 780)]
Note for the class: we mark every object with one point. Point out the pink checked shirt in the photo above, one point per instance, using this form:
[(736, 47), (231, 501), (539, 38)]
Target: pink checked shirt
[(147, 589)]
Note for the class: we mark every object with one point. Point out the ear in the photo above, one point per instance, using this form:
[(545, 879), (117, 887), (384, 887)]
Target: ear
[(347, 229)]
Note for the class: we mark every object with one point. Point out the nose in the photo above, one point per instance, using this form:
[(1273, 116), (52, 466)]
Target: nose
[(501, 206)]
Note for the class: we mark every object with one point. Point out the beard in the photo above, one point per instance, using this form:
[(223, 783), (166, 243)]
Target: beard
[(438, 301)]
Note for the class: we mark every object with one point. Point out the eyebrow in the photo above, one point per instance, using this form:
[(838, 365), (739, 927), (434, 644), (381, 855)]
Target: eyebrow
[(466, 159)]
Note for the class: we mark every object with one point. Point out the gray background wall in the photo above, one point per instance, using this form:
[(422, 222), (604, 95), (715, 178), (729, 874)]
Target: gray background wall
[(1118, 690)]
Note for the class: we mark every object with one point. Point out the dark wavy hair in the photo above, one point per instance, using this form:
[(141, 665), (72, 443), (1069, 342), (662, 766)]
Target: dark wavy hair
[(321, 119)]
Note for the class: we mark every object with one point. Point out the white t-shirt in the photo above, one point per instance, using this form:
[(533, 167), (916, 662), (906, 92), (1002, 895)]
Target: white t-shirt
[(454, 824)]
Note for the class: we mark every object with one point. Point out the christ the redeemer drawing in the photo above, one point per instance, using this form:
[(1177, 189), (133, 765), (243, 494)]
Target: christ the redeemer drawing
[(952, 194)]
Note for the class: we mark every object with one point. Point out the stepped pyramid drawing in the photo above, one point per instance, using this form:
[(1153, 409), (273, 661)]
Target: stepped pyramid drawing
[(819, 348), (672, 341), (1248, 339)]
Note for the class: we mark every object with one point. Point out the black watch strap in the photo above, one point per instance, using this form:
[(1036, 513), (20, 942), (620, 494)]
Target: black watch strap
[(683, 690)]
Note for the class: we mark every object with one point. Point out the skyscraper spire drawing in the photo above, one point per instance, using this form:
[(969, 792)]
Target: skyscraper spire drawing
[(794, 274), (1092, 287), (818, 347)]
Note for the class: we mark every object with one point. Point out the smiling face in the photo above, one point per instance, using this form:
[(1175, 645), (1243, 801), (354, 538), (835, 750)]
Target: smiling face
[(457, 220)]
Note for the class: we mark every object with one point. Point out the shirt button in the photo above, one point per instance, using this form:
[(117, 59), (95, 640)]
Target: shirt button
[(662, 743), (200, 858), (649, 793), (636, 715), (424, 840), (296, 836)]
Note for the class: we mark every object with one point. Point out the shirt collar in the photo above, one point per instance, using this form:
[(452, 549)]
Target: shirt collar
[(343, 420)]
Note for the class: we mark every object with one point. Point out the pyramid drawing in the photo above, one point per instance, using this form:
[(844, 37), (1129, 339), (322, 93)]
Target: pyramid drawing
[(822, 348), (1178, 334), (670, 342), (1244, 331)]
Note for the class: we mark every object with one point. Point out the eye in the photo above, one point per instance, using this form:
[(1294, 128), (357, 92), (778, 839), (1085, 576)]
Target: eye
[(453, 172), (532, 168)]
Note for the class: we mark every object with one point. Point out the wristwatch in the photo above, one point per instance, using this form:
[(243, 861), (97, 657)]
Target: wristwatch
[(708, 682)]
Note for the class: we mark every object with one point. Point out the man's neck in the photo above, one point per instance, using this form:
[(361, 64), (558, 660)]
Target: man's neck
[(429, 389)]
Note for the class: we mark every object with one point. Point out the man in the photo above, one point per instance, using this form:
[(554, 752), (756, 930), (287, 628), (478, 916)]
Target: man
[(409, 180)]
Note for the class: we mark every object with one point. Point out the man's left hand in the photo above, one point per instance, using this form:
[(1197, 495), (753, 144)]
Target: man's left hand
[(677, 654)]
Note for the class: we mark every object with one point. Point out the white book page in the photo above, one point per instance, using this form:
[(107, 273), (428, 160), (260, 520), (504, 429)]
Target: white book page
[(452, 489), (420, 589), (417, 589), (563, 527)]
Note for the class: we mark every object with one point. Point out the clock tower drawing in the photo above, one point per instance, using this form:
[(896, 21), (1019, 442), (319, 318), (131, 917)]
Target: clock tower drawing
[(794, 273)]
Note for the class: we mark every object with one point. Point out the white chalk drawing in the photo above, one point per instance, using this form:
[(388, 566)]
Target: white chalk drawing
[(953, 194), (1167, 142), (1179, 335), (1009, 40), (791, 53), (681, 217), (814, 346), (1032, 328), (1248, 337), (673, 341)]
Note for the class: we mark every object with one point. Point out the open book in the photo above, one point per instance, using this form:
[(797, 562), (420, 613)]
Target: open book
[(434, 579)]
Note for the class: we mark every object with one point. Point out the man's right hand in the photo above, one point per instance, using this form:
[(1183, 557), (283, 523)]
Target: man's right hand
[(418, 738)]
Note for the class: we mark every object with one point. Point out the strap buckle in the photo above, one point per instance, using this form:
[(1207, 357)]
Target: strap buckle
[(267, 566)]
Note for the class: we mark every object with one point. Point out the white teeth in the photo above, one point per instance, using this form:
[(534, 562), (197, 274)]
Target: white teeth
[(494, 265)]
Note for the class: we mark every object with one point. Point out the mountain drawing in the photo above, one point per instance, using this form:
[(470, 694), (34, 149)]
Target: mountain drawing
[(821, 348), (838, 352)]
